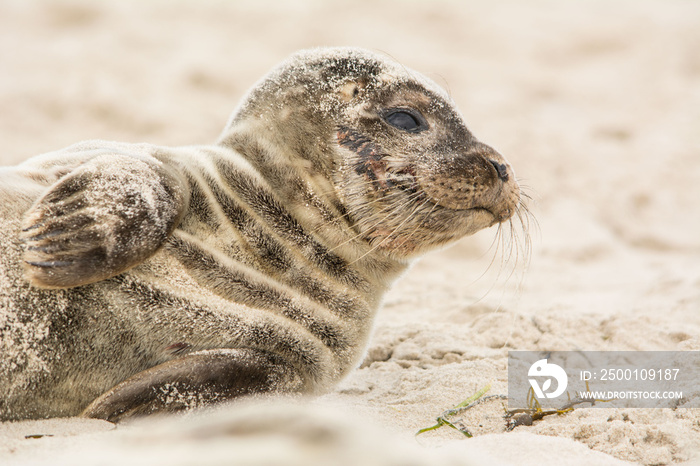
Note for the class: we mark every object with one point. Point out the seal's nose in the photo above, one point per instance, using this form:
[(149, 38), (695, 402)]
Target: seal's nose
[(501, 169)]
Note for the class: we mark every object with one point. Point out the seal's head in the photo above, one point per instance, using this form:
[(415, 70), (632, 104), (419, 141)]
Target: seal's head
[(405, 170)]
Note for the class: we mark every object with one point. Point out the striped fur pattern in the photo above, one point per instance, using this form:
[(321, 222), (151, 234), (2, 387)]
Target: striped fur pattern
[(154, 278)]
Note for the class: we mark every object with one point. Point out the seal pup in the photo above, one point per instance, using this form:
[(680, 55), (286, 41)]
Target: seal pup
[(136, 278)]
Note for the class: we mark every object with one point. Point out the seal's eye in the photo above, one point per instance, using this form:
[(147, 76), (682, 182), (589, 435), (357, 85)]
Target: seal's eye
[(406, 120)]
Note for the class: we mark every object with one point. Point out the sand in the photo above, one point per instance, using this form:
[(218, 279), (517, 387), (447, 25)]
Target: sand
[(595, 104)]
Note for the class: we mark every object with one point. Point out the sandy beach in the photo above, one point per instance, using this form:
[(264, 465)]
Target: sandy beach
[(596, 104)]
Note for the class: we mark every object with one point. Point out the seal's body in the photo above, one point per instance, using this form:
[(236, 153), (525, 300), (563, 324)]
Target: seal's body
[(135, 278)]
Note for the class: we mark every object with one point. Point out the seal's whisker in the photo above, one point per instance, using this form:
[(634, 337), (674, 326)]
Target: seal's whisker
[(418, 225), (525, 217), (374, 248), (523, 249), (526, 251), (496, 244), (396, 210), (510, 249), (371, 202), (357, 184), (510, 243), (515, 249), (393, 208)]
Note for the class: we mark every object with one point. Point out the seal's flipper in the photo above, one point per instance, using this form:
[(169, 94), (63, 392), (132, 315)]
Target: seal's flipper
[(198, 379), (102, 218)]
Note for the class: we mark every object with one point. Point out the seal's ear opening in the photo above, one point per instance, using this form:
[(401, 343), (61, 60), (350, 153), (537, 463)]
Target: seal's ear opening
[(352, 89)]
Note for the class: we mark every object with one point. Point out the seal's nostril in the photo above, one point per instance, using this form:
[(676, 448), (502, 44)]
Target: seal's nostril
[(501, 169)]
